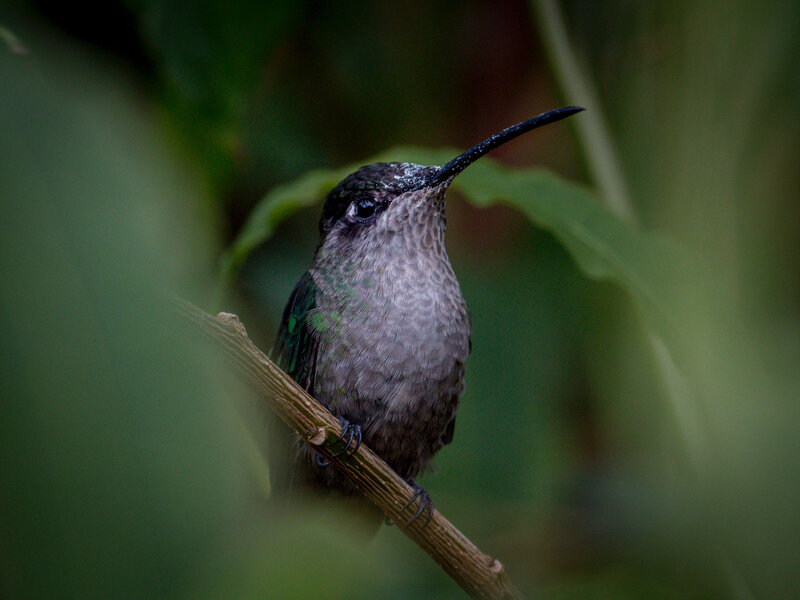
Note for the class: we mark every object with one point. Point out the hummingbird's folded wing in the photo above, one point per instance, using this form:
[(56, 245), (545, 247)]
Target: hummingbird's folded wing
[(295, 348)]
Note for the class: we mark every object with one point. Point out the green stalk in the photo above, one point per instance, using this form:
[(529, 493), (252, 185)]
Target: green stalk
[(601, 158), (606, 171)]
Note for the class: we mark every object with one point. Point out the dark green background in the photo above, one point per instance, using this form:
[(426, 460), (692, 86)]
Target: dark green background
[(136, 137)]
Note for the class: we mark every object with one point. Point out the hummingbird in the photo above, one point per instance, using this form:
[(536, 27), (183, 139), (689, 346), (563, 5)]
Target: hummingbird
[(377, 330)]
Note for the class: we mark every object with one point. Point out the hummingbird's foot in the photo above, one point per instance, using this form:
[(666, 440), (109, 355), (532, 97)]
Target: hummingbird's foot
[(425, 503), (321, 461), (353, 432)]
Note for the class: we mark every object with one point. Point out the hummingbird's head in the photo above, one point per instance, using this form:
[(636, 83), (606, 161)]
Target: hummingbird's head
[(359, 200), (386, 195)]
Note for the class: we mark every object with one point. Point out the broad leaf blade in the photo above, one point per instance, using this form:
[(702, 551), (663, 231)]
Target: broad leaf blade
[(650, 267)]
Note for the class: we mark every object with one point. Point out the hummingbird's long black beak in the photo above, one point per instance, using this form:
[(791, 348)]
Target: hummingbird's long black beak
[(462, 161)]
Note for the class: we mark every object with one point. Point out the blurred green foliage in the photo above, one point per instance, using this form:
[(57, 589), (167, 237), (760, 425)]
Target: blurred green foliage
[(597, 454)]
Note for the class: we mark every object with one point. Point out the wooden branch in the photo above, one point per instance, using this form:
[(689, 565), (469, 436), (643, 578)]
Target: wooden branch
[(478, 574)]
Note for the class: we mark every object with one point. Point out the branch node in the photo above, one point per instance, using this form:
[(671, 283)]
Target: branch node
[(231, 320), (496, 567), (317, 436)]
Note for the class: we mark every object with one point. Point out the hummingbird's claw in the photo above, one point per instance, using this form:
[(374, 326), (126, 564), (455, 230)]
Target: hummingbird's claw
[(353, 432), (425, 503)]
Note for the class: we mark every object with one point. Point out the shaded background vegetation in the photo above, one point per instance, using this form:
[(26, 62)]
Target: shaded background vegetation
[(138, 136)]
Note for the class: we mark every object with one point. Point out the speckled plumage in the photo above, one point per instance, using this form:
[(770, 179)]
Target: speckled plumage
[(388, 332)]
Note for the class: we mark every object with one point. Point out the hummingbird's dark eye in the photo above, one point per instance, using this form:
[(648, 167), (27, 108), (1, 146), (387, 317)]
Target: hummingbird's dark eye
[(365, 208)]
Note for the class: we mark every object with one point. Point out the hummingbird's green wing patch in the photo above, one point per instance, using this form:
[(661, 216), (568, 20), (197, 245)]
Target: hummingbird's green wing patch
[(295, 349)]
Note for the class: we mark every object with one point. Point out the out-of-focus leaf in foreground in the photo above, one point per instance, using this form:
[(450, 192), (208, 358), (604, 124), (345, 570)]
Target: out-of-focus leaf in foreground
[(119, 477)]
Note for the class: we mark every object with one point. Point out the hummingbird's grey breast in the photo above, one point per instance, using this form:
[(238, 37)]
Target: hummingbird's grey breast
[(392, 330)]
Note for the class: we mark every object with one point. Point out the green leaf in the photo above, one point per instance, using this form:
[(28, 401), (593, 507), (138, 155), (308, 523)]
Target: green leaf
[(652, 268)]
